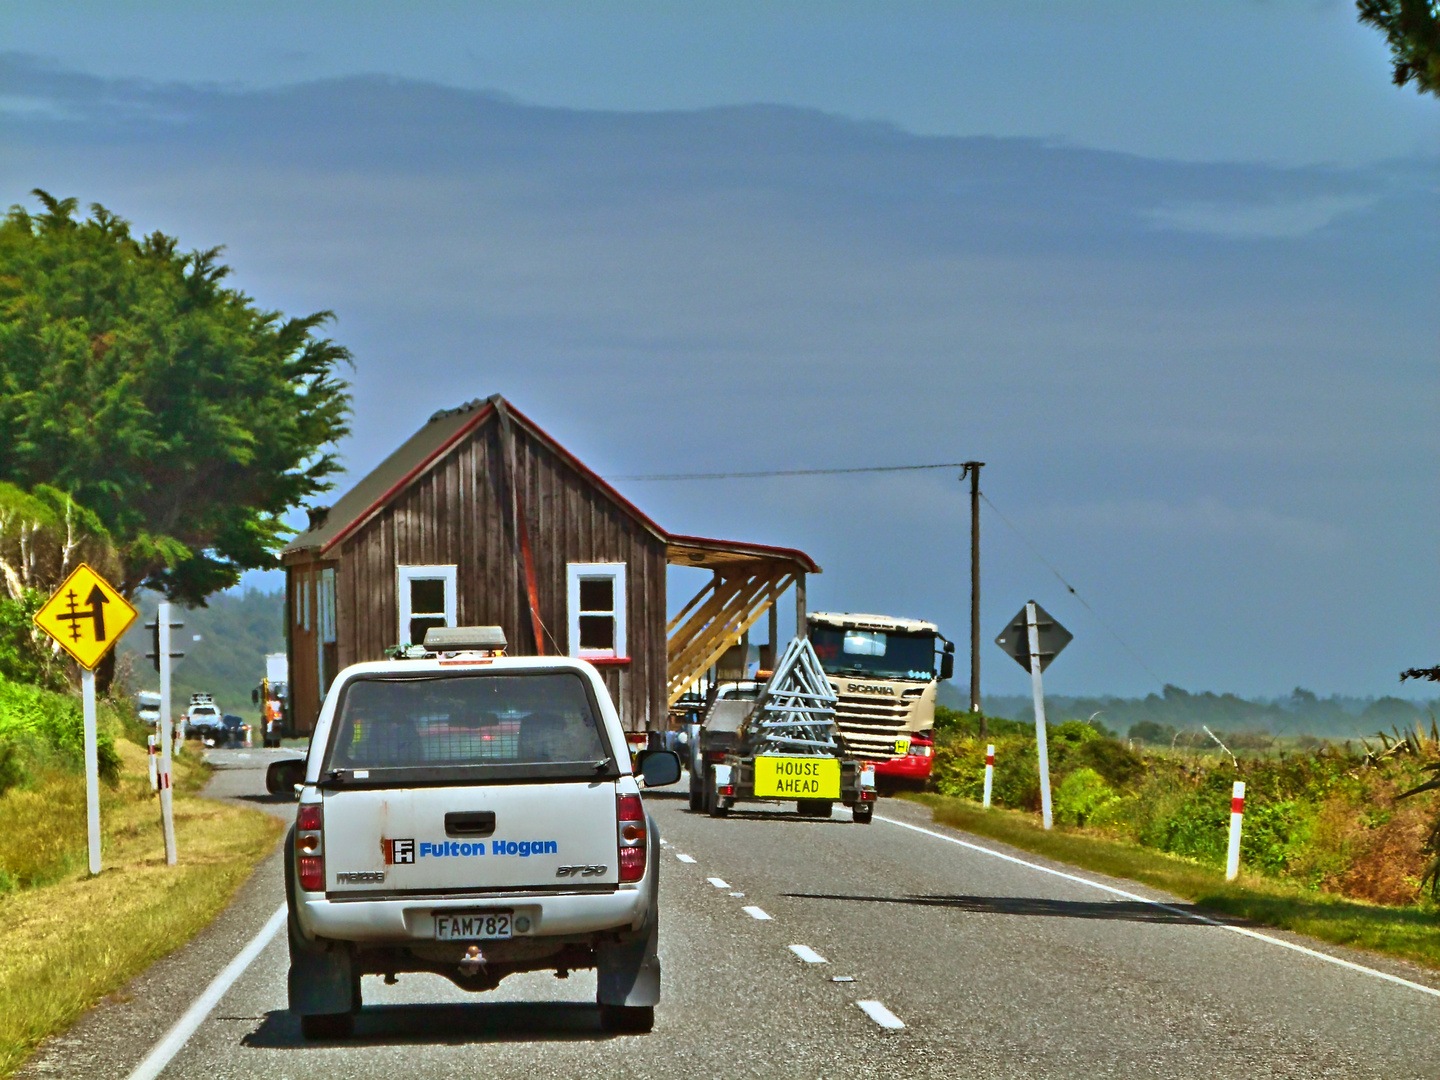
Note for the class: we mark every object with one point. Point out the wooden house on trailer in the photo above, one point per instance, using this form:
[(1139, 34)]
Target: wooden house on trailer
[(481, 518)]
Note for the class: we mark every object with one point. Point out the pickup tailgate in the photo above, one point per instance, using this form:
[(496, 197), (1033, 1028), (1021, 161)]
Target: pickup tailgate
[(474, 837)]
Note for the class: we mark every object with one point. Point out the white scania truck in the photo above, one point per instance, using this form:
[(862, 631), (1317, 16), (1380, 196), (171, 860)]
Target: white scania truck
[(884, 672)]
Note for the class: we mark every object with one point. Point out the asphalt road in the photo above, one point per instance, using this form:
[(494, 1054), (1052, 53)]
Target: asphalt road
[(995, 968)]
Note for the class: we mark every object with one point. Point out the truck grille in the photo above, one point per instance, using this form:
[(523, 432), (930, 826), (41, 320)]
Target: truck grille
[(870, 724)]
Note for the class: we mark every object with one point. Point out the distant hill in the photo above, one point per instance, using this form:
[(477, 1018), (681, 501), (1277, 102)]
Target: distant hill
[(1302, 713), (236, 630)]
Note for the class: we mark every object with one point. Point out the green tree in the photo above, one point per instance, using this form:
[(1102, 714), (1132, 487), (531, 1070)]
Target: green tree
[(188, 419), (1412, 28)]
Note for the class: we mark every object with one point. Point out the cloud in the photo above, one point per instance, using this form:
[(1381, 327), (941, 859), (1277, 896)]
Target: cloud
[(1278, 219), (1206, 518)]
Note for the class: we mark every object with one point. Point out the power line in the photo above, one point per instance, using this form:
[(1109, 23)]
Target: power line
[(787, 472), (1071, 588)]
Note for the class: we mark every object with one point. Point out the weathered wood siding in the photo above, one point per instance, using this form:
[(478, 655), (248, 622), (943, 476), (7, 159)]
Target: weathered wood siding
[(453, 515)]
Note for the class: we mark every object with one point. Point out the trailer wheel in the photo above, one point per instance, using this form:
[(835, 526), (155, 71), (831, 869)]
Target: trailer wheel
[(813, 807), (863, 814)]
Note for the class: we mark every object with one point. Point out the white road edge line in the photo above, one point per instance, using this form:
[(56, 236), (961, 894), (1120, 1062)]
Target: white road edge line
[(719, 883), (683, 858), (1243, 931), (809, 955), (755, 912), (881, 1015), (155, 1061)]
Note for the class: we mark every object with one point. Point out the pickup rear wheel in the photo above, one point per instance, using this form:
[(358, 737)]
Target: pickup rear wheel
[(635, 1019), (813, 807), (697, 793)]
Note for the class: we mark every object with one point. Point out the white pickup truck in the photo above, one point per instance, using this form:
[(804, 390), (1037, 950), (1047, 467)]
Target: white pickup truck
[(471, 815)]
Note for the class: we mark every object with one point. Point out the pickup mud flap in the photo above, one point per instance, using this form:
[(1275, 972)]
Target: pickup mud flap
[(322, 979), (627, 972)]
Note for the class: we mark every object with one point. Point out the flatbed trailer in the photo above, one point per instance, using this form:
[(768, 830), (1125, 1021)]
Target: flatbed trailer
[(772, 778), (779, 746)]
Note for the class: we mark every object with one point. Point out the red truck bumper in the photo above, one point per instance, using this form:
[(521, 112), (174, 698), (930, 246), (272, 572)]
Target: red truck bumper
[(912, 768)]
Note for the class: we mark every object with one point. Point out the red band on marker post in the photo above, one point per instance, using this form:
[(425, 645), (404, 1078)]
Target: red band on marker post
[(989, 759), (1237, 806)]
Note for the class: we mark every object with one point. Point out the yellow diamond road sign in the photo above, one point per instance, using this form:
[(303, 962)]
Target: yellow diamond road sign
[(86, 616)]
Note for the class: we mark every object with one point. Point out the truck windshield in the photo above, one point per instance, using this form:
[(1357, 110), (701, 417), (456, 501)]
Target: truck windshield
[(546, 718), (876, 653)]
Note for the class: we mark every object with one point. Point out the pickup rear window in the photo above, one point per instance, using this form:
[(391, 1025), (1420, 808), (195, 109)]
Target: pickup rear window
[(409, 723)]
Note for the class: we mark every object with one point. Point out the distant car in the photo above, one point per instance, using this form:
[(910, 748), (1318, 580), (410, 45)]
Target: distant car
[(235, 729)]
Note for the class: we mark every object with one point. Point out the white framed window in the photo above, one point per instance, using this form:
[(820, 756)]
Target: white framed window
[(325, 606), (595, 596), (427, 598), (302, 600)]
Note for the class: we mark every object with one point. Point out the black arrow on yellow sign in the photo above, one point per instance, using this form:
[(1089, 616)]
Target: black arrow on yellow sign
[(74, 615)]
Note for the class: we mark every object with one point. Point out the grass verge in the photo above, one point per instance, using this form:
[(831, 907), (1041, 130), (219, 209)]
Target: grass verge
[(1409, 933), (75, 938)]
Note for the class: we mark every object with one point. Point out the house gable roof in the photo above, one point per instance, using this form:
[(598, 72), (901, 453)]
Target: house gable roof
[(414, 457)]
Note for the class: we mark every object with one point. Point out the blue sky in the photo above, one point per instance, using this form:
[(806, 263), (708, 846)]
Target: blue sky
[(1172, 275)]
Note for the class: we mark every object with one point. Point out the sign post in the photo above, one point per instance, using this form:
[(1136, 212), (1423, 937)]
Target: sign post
[(1034, 639), (75, 617), (167, 806)]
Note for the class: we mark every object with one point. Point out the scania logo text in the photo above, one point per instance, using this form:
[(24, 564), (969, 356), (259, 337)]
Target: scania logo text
[(869, 688)]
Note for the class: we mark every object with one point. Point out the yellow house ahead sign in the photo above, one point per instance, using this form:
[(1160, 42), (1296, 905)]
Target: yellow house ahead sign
[(86, 616)]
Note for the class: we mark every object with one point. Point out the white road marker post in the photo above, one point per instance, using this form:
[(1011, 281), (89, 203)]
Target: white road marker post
[(92, 768), (1237, 812), (1038, 689), (152, 748), (989, 773), (167, 811)]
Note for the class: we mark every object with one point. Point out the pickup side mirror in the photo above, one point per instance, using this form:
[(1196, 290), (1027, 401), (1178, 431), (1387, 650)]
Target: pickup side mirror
[(660, 768), (282, 776), (947, 665)]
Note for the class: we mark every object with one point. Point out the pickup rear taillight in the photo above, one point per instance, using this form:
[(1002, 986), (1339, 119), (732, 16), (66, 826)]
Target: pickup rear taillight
[(310, 847), (630, 830)]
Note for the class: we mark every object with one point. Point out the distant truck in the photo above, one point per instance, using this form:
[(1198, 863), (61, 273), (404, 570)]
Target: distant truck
[(273, 697), (884, 672), (147, 706)]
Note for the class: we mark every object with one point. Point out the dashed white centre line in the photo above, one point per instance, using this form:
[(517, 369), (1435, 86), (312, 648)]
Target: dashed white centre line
[(683, 857), (881, 1015), (719, 883), (809, 955), (755, 912)]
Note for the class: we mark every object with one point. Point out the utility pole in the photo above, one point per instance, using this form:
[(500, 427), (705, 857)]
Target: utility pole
[(972, 470)]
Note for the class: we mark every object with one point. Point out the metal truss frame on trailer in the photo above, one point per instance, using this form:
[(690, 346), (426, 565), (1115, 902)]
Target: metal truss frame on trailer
[(795, 713)]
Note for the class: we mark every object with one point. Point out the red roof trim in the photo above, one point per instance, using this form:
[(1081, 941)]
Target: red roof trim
[(399, 485), (794, 554)]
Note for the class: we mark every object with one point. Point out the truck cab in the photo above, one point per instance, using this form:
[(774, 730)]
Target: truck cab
[(885, 672)]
